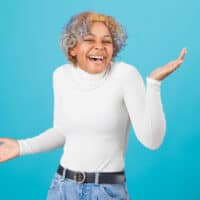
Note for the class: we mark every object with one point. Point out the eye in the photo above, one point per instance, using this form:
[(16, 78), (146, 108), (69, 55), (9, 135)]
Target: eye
[(88, 40), (107, 41)]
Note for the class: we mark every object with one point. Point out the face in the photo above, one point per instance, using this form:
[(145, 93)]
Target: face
[(95, 51)]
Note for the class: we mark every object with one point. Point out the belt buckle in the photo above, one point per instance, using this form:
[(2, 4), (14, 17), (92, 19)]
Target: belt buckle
[(79, 177)]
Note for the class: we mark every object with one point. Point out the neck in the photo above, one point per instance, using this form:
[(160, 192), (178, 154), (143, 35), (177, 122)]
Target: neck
[(87, 81), (90, 76)]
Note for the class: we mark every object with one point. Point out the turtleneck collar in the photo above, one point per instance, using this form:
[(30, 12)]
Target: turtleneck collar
[(89, 76), (88, 81)]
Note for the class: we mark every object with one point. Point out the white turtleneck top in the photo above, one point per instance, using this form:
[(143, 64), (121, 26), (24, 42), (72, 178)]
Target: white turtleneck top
[(93, 114)]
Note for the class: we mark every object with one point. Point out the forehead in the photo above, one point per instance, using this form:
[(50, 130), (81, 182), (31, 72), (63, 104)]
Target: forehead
[(99, 29)]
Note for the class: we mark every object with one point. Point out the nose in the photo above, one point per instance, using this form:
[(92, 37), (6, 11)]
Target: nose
[(98, 46)]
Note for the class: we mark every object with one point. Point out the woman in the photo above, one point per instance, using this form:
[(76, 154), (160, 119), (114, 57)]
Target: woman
[(96, 100)]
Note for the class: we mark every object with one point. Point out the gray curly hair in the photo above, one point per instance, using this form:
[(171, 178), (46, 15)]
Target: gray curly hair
[(79, 26)]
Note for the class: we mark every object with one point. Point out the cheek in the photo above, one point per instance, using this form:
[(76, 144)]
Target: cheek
[(110, 51), (85, 50), (82, 54)]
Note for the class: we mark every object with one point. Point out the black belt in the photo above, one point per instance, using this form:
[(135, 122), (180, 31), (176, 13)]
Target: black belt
[(92, 177)]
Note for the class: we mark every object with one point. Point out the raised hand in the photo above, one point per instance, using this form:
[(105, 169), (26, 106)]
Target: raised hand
[(9, 149), (161, 72)]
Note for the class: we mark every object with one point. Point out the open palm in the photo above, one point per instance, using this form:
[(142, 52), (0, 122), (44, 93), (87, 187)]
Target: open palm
[(9, 149), (161, 72)]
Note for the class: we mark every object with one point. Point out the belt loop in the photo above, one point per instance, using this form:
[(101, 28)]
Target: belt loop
[(97, 178), (64, 173)]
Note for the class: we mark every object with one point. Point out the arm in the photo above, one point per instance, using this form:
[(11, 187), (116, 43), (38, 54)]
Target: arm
[(145, 106), (46, 141), (51, 138), (145, 109)]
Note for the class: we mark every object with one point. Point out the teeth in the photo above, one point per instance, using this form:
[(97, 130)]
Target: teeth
[(97, 57)]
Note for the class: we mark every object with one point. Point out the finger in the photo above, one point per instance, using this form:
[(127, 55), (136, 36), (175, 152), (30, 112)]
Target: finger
[(182, 54), (3, 140), (177, 63), (172, 66), (3, 159)]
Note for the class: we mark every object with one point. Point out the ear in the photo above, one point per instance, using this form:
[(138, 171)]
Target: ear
[(73, 51)]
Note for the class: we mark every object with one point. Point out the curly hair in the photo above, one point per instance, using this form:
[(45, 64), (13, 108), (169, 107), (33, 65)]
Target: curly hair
[(79, 26)]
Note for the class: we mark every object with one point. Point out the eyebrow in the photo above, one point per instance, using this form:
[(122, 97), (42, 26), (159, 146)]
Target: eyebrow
[(95, 35)]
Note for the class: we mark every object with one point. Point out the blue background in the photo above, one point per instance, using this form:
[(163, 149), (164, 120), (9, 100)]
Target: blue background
[(29, 52)]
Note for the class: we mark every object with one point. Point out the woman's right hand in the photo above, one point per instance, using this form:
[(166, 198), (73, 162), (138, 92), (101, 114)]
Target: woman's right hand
[(9, 149)]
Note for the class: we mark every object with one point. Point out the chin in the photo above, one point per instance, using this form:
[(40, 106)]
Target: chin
[(99, 70)]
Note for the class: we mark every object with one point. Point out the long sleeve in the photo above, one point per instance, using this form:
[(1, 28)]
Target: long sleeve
[(145, 109), (50, 139)]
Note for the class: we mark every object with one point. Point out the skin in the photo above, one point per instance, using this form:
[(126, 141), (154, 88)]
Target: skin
[(98, 43), (9, 149), (162, 72)]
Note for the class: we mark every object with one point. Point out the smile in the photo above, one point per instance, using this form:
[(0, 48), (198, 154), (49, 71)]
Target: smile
[(96, 58)]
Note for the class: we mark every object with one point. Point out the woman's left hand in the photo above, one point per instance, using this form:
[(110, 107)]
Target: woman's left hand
[(161, 72)]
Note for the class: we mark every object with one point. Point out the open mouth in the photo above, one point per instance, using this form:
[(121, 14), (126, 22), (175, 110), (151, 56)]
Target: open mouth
[(96, 59)]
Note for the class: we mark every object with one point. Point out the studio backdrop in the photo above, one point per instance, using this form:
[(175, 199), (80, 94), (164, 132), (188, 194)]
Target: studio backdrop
[(157, 31)]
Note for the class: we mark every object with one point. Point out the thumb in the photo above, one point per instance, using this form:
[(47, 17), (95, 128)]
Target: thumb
[(3, 140)]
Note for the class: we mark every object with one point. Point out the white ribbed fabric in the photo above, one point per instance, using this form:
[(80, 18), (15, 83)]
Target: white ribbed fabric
[(93, 114)]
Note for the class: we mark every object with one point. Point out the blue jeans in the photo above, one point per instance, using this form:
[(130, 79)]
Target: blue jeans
[(68, 189)]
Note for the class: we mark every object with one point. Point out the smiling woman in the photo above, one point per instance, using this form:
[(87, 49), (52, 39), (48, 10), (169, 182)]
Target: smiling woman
[(95, 102), (94, 53)]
